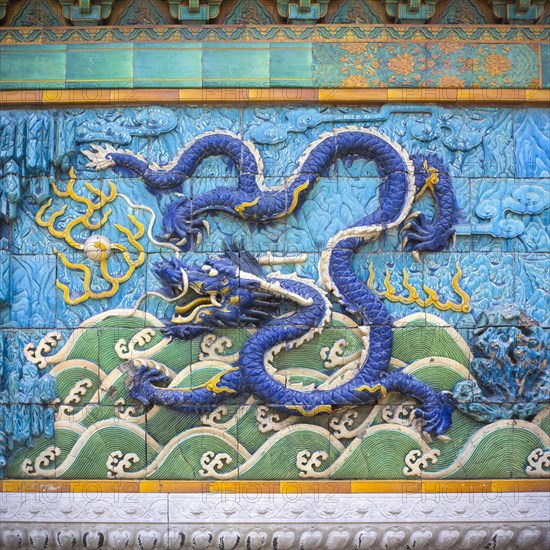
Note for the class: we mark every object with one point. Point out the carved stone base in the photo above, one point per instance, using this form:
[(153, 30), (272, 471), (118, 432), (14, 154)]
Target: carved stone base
[(226, 521)]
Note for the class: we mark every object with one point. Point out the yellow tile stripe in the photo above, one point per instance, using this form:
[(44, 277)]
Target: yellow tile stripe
[(278, 487), (272, 95)]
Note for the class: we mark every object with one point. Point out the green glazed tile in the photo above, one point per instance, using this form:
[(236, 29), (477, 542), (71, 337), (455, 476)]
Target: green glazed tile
[(545, 63), (346, 65), (168, 65), (504, 66), (402, 65), (291, 65), (448, 65), (99, 65), (43, 66), (235, 65)]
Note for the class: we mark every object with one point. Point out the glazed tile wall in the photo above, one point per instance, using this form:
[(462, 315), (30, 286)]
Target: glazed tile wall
[(64, 396), (264, 57)]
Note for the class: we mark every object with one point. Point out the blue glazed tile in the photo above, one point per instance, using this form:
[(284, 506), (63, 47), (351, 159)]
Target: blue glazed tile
[(498, 165), (32, 283), (510, 215), (487, 279), (402, 66), (448, 65), (346, 65), (533, 288), (532, 143)]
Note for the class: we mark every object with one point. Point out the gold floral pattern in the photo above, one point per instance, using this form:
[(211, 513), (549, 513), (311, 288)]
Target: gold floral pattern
[(450, 47), (356, 48), (402, 64), (450, 81), (429, 65), (497, 64), (355, 81)]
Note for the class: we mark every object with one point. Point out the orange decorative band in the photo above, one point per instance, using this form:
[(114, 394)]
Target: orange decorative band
[(271, 95), (277, 487)]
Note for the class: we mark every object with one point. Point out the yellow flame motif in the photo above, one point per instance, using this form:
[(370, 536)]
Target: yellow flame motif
[(414, 298), (100, 247)]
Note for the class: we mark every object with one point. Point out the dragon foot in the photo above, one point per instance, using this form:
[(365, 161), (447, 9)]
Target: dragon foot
[(422, 235), (191, 237), (436, 408), (150, 386), (180, 228), (142, 382), (436, 415)]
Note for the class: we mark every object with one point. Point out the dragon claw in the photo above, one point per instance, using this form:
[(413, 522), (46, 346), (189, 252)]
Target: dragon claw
[(436, 415), (413, 216), (423, 236), (151, 375)]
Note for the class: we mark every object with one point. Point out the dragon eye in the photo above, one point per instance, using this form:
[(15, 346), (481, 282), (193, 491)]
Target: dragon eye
[(225, 281)]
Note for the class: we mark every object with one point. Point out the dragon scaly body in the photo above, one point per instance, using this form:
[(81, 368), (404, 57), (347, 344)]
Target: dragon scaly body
[(402, 180)]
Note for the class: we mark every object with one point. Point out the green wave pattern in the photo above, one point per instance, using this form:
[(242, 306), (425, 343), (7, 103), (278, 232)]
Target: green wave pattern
[(99, 437)]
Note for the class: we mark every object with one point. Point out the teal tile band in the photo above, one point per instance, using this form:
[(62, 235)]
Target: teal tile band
[(99, 65), (235, 65), (168, 65), (40, 66), (345, 60), (291, 64)]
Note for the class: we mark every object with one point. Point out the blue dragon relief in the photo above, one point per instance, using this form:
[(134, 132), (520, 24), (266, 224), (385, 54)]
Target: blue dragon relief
[(232, 289)]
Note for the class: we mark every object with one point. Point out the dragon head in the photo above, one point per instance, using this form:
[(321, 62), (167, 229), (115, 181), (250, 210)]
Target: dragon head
[(226, 291)]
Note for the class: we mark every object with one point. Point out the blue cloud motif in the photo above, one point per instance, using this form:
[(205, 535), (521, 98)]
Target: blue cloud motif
[(116, 127), (527, 200)]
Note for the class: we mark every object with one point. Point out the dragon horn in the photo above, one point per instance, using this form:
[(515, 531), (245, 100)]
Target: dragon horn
[(275, 288), (185, 281)]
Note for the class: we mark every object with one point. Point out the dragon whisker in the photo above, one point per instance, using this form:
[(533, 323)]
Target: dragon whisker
[(185, 281)]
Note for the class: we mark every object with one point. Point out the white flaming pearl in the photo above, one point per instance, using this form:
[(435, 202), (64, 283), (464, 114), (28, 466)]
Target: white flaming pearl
[(97, 248)]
